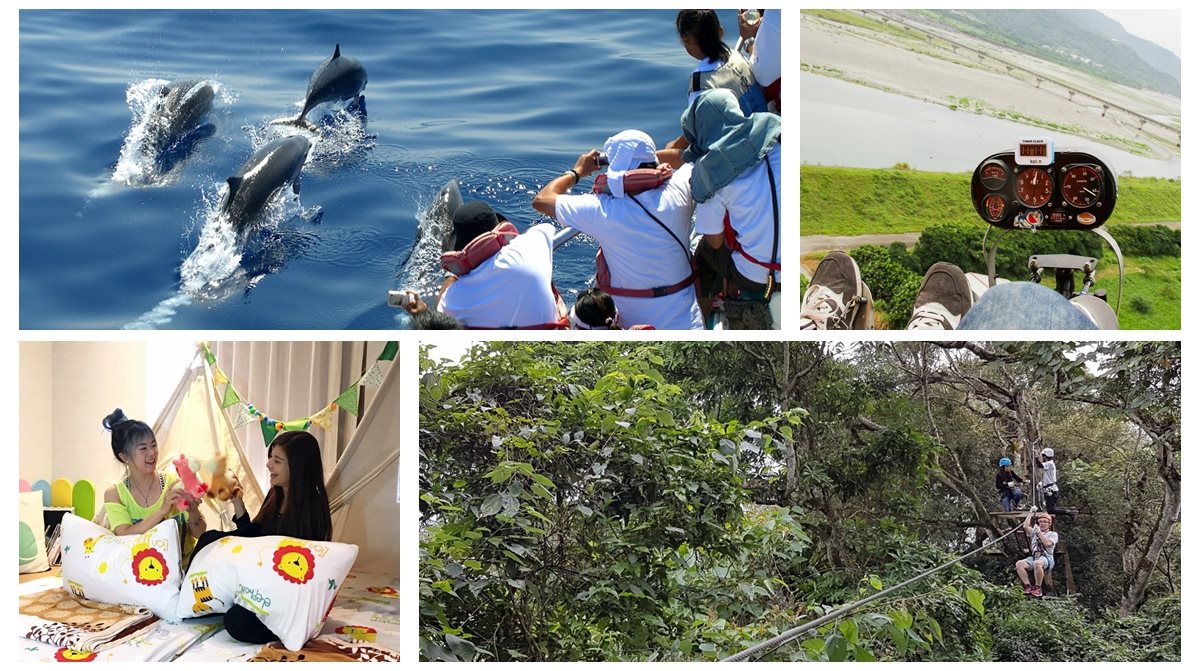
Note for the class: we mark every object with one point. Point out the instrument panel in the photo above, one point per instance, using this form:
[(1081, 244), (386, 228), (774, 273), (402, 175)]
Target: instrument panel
[(1077, 191)]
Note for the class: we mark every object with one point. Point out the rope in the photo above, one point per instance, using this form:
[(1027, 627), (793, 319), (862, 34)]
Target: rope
[(790, 634)]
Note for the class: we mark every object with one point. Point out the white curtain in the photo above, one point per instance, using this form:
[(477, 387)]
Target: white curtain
[(291, 380)]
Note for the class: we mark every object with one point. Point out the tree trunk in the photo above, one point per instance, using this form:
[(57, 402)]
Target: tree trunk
[(1170, 514)]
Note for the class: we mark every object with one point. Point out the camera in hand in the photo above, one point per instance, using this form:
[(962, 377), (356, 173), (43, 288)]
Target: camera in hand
[(603, 160)]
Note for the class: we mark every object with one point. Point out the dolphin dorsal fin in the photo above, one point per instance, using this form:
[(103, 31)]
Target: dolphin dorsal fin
[(337, 53), (233, 186)]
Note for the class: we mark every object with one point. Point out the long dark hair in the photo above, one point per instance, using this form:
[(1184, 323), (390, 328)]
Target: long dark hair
[(125, 434), (704, 25), (307, 515)]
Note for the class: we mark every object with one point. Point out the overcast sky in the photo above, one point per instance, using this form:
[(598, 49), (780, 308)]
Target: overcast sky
[(1162, 26)]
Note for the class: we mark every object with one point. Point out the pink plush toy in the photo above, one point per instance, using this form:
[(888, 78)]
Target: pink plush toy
[(190, 481)]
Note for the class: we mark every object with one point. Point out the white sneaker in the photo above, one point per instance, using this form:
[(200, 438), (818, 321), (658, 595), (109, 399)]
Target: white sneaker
[(943, 300), (836, 298)]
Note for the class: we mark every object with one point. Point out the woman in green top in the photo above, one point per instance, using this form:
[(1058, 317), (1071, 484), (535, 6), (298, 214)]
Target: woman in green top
[(144, 498)]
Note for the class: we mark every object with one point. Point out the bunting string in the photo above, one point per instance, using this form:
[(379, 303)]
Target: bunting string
[(243, 412)]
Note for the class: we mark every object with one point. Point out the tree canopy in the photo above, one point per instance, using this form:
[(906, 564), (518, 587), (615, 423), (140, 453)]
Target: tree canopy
[(679, 500)]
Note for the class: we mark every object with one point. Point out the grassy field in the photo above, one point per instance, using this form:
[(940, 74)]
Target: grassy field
[(860, 201)]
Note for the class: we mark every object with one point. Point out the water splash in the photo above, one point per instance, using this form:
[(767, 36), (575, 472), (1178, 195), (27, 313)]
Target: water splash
[(422, 272), (142, 161)]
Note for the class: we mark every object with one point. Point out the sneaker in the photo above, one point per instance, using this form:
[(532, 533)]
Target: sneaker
[(836, 298), (1036, 591), (943, 300), (1027, 590)]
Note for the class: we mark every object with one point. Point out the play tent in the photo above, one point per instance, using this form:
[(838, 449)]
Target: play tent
[(360, 449)]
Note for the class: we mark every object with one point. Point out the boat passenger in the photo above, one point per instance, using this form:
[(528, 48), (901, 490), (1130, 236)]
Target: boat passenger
[(497, 278), (595, 310), (641, 215), (719, 66), (736, 178), (763, 38)]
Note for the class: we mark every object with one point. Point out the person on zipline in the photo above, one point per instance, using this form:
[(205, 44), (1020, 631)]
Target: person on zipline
[(1042, 540), (1048, 487), (1005, 482)]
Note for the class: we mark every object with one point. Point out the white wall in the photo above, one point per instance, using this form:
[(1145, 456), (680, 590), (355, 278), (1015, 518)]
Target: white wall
[(35, 398), (90, 379)]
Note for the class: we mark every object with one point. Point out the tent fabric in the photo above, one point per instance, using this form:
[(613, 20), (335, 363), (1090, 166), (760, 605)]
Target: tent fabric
[(362, 482)]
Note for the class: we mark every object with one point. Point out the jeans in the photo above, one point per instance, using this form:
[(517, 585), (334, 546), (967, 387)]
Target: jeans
[(1011, 498), (1024, 305)]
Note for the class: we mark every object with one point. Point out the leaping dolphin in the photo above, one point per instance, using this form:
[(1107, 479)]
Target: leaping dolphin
[(273, 167), (182, 106), (337, 78)]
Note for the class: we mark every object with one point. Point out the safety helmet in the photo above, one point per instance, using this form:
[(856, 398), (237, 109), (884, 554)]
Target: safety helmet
[(1048, 452), (1004, 462)]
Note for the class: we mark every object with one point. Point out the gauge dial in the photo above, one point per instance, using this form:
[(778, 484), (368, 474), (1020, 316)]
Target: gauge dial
[(1033, 187), (995, 207), (1082, 186), (993, 174)]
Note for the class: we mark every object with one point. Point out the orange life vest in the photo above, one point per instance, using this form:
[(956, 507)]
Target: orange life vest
[(478, 250), (635, 182)]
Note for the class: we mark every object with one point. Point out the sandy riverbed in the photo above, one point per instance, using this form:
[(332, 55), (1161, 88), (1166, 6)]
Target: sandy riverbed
[(942, 77)]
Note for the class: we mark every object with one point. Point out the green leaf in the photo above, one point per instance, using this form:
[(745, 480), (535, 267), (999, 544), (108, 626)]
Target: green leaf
[(876, 583), (837, 647), (848, 629), (863, 655), (902, 619), (491, 505), (976, 600), (541, 491)]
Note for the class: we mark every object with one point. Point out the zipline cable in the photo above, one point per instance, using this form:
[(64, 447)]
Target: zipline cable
[(790, 634)]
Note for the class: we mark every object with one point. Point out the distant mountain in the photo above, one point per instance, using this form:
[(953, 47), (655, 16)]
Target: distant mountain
[(1083, 39)]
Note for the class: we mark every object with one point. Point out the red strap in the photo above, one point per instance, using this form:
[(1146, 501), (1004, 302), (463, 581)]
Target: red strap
[(604, 281), (733, 245), (772, 92)]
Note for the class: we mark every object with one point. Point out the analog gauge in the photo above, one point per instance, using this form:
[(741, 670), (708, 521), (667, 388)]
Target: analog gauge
[(1082, 186), (1033, 187), (995, 207), (993, 174)]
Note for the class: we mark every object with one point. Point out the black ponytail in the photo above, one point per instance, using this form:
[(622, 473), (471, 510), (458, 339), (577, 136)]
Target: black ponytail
[(704, 25)]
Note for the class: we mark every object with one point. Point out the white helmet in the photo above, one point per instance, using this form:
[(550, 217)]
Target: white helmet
[(1048, 452)]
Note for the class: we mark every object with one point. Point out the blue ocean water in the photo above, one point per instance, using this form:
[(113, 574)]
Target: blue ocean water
[(503, 101)]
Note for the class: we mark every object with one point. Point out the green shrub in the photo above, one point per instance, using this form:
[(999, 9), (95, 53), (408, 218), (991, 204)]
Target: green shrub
[(1147, 240), (894, 287), (962, 245)]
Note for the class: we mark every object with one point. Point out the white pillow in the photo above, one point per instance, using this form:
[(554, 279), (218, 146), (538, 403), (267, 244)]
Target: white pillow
[(32, 539), (288, 583), (140, 570)]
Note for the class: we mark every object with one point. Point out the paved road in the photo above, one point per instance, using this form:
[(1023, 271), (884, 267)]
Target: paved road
[(827, 243)]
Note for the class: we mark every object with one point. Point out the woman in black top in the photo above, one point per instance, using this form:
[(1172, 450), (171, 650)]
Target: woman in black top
[(295, 506)]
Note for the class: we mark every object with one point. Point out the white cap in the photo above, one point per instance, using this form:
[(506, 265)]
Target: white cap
[(1048, 452), (626, 151)]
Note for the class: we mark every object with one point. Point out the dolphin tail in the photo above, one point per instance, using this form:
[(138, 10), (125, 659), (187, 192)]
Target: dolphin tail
[(299, 121)]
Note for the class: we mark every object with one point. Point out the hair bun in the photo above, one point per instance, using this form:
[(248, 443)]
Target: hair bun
[(115, 418)]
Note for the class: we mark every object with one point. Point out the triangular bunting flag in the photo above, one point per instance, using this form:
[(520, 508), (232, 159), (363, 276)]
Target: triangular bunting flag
[(218, 377), (230, 397), (374, 376), (268, 430), (349, 400), (207, 354), (322, 419), (390, 351), (296, 424), (243, 416)]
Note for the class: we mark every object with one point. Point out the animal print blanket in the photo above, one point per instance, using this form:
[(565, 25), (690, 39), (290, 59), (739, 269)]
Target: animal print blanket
[(57, 617)]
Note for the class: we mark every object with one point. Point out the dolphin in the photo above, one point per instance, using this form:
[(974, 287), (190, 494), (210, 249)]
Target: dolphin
[(420, 271), (273, 166), (337, 78), (182, 105)]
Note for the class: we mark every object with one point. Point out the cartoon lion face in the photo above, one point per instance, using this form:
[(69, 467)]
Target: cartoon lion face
[(89, 545), (357, 632), (68, 655), (149, 567), (294, 563)]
